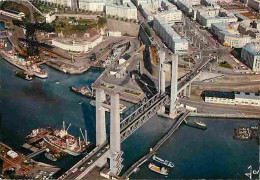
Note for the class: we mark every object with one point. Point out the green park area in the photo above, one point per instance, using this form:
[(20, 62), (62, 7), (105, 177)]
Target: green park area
[(72, 25), (225, 64)]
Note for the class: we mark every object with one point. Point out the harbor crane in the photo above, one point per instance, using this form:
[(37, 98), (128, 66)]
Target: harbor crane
[(30, 34)]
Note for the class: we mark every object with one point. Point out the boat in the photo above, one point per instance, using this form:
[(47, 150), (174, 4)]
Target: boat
[(38, 134), (164, 162), (24, 75), (80, 102), (38, 72), (160, 170), (61, 140), (57, 82), (22, 64), (254, 127), (50, 156), (106, 106), (200, 123), (84, 91)]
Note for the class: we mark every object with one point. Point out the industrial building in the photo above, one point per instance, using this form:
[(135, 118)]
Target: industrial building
[(250, 55), (77, 45), (232, 98)]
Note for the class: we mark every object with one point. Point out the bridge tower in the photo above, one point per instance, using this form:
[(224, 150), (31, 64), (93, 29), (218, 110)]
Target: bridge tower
[(161, 78), (101, 136), (115, 140), (174, 85)]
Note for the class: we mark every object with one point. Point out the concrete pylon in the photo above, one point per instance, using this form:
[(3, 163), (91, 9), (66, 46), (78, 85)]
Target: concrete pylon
[(189, 90), (174, 85), (161, 78), (162, 72), (101, 134), (115, 140)]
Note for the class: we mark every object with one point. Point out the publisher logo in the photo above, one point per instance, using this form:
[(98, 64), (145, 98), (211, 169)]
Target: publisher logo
[(252, 172)]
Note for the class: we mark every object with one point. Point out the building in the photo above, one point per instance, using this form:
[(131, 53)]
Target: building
[(13, 14), (92, 5), (125, 10), (12, 154), (77, 45), (255, 4), (232, 98), (209, 16), (162, 25), (250, 55), (65, 3), (228, 35)]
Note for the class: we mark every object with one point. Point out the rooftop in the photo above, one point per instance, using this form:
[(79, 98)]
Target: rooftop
[(218, 94)]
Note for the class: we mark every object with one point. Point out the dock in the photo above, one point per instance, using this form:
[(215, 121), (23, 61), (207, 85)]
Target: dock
[(30, 147), (35, 153)]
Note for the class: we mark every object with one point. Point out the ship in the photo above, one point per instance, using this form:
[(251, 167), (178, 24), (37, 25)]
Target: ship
[(22, 64), (24, 75), (50, 157), (38, 134), (160, 170), (106, 106), (38, 72), (200, 123), (164, 162), (83, 91), (63, 141)]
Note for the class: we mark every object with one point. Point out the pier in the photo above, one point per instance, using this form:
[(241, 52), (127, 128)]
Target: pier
[(35, 153), (180, 119)]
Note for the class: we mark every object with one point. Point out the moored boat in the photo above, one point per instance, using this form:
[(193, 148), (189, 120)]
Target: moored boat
[(160, 170), (50, 156), (200, 123), (84, 91), (24, 75), (164, 162)]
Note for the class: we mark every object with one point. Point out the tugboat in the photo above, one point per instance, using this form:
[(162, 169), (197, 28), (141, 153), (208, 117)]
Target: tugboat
[(50, 156), (164, 162), (163, 170), (83, 91), (23, 75)]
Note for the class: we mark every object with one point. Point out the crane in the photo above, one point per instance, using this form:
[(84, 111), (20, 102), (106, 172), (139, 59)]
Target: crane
[(31, 40)]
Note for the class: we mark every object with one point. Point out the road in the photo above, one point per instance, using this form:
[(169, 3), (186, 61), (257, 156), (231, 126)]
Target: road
[(204, 107)]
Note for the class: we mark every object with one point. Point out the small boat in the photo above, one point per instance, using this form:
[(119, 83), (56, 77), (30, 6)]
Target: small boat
[(162, 170), (57, 82), (164, 162), (200, 123), (23, 75), (80, 102), (50, 156), (254, 127), (83, 91)]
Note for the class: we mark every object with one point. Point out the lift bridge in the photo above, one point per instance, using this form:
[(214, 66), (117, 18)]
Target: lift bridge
[(121, 128)]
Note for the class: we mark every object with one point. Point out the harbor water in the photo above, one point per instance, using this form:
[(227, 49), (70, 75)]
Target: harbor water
[(198, 154)]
